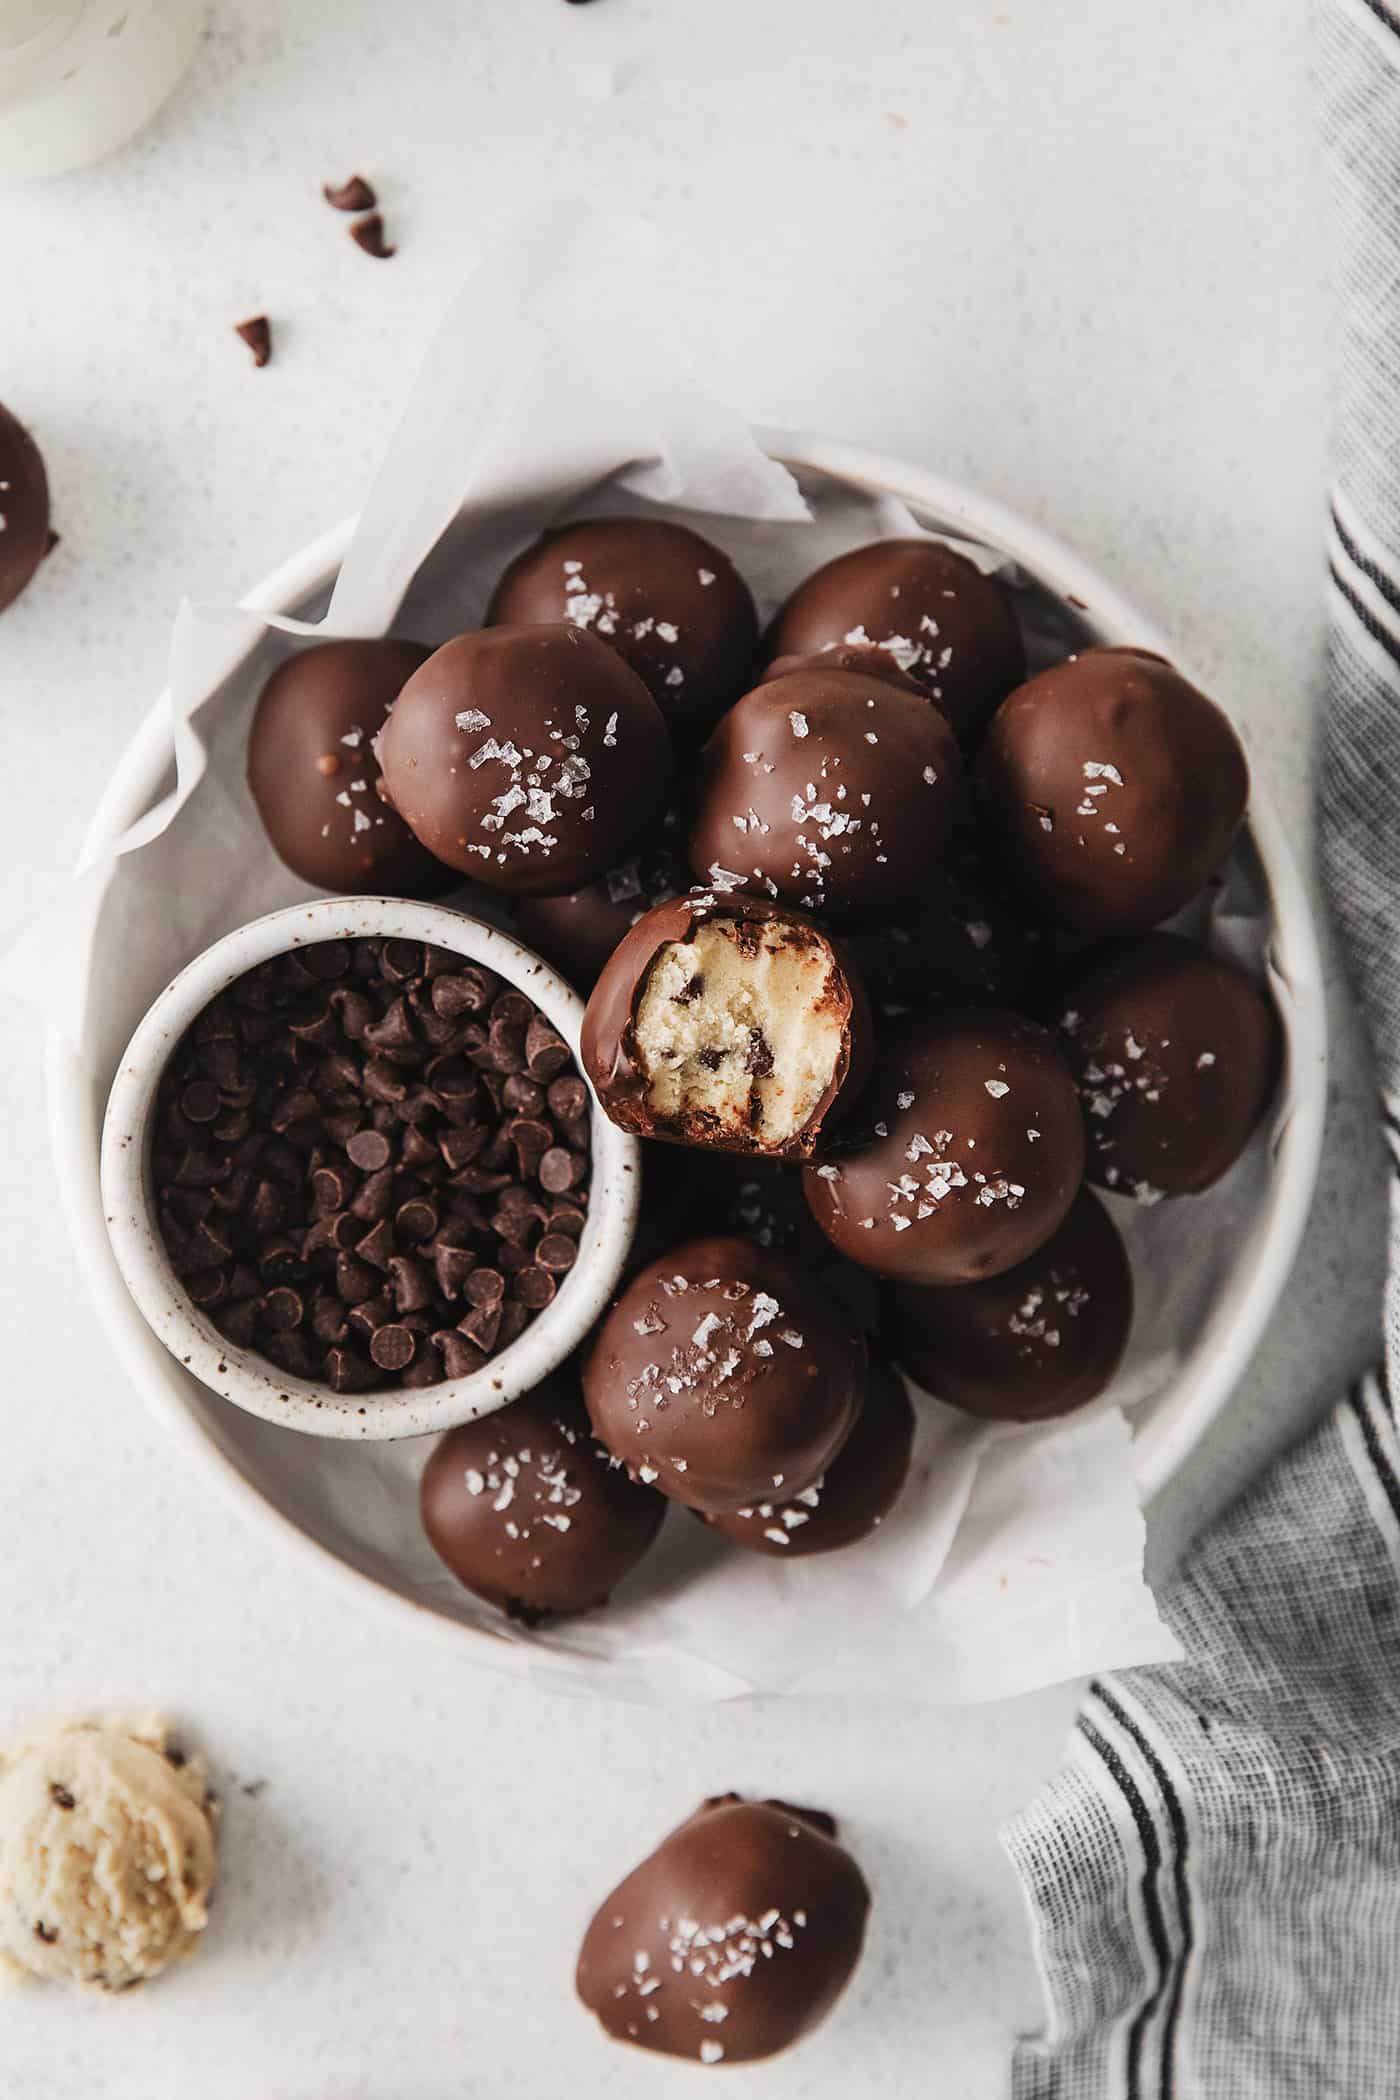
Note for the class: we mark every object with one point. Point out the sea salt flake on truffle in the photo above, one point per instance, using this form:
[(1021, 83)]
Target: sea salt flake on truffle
[(1207, 1057), (996, 1088), (799, 727), (668, 631)]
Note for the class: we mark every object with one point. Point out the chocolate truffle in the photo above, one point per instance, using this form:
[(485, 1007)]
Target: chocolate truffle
[(931, 609), (530, 757), (724, 1021), (1111, 790), (24, 508), (1034, 1342), (529, 1512), (1176, 1055), (673, 605), (578, 931), (830, 790), (732, 1940), (963, 1155), (724, 1373), (313, 774), (854, 1495), (962, 939)]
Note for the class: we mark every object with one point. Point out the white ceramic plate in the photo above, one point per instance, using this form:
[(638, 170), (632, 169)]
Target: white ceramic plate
[(262, 1476)]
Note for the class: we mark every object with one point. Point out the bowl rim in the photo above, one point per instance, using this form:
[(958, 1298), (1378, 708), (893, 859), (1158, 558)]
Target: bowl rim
[(244, 1377), (1159, 1446)]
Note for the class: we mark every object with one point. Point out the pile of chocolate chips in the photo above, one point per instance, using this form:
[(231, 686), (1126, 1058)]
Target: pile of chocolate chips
[(371, 1163)]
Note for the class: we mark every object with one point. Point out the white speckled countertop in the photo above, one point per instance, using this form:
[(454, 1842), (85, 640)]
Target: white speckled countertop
[(1065, 253)]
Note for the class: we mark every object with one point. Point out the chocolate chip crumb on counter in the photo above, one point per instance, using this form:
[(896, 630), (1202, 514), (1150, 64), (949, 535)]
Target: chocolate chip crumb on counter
[(372, 1163)]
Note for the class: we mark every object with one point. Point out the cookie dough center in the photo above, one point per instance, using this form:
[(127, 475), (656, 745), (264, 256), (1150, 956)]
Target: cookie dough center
[(741, 1028)]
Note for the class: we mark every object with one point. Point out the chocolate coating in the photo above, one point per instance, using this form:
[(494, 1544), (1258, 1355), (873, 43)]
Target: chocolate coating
[(962, 939), (529, 757), (952, 628), (963, 1155), (854, 1495), (732, 1940), (867, 657), (778, 1109), (24, 508), (830, 790), (529, 1512), (1111, 790), (667, 600), (579, 930), (723, 1372), (314, 776), (1176, 1055), (1032, 1343)]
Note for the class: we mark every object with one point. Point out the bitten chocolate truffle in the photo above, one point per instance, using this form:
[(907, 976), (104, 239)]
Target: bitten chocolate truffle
[(854, 1495), (1111, 789), (1176, 1055), (732, 1940), (313, 774), (725, 1021), (931, 609), (1032, 1343), (962, 939), (667, 600), (723, 1374), (24, 508), (963, 1155), (529, 757), (578, 931), (529, 1512), (830, 790)]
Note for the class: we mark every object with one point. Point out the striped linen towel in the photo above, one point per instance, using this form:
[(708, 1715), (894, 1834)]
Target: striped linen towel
[(1214, 1877)]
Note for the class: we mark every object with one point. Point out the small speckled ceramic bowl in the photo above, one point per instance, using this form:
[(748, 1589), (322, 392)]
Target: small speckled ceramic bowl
[(241, 1375)]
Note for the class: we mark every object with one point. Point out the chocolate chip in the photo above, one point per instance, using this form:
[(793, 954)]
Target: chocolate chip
[(414, 1221), (759, 1061), (413, 1283), (60, 1796), (557, 1252), (534, 1287), (460, 1357), (369, 1150), (482, 1325), (392, 1348), (354, 195), (257, 334), (485, 1287), (347, 1371), (332, 1187), (377, 1247), (201, 1101), (369, 235), (375, 1197), (238, 1322), (45, 1933), (560, 1170), (568, 1099), (282, 1310), (546, 1052)]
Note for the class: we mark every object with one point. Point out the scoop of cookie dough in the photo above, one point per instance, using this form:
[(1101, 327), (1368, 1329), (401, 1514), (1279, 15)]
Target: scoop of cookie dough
[(106, 1853)]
